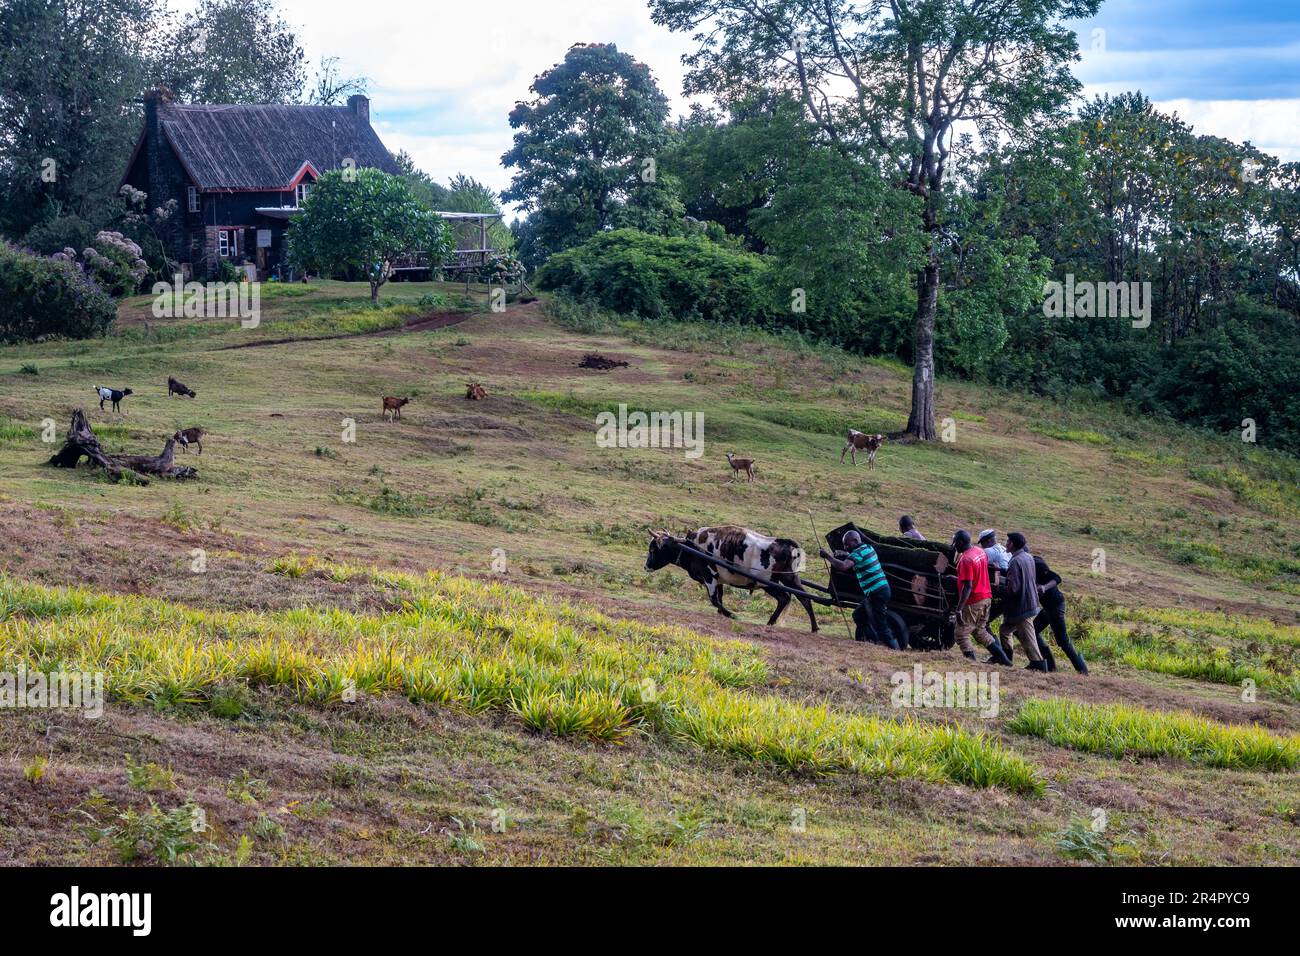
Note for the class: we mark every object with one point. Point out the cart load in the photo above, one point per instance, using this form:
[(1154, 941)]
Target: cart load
[(922, 579)]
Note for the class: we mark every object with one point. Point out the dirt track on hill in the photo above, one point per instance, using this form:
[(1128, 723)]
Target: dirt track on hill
[(422, 323)]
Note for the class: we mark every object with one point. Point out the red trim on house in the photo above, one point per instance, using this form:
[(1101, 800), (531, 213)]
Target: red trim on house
[(302, 171)]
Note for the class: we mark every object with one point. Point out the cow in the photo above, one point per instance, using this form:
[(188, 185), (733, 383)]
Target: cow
[(770, 560), (860, 441), (393, 407)]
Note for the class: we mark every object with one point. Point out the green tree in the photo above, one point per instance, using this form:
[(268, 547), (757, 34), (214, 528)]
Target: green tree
[(728, 167), (586, 150), (894, 77), (233, 51), (70, 71), (841, 241), (363, 221)]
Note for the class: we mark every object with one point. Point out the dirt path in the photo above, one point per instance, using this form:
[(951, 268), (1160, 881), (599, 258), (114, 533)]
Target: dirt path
[(421, 323)]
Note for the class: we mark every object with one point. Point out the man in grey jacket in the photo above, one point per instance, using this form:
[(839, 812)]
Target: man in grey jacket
[(1020, 601)]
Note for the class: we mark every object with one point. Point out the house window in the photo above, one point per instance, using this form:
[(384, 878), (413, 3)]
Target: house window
[(300, 194), (224, 244), (192, 194)]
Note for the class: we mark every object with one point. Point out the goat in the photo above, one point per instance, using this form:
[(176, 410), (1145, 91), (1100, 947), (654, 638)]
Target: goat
[(178, 388), (860, 441), (114, 395), (475, 392), (740, 464), (190, 436), (393, 407)]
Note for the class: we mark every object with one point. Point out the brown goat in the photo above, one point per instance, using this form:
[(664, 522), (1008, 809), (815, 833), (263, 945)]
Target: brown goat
[(475, 392), (740, 464), (190, 436), (393, 407), (860, 441)]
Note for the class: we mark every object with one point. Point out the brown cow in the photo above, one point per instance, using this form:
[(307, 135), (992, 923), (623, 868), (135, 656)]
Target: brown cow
[(393, 407), (860, 441)]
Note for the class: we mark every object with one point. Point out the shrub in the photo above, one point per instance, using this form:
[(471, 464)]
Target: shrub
[(664, 277), (59, 233), (48, 297), (1118, 730)]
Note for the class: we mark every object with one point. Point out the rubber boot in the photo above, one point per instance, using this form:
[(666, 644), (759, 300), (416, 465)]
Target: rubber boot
[(1077, 660), (1047, 654), (997, 655), (1037, 666), (969, 655)]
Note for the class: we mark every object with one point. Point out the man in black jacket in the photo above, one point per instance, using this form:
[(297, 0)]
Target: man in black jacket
[(1053, 615), (1020, 601)]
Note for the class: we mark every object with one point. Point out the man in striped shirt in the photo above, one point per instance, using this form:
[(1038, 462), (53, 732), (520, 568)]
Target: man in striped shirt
[(869, 616)]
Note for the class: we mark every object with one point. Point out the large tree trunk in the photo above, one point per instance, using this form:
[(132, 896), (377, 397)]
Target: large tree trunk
[(920, 424), (81, 442)]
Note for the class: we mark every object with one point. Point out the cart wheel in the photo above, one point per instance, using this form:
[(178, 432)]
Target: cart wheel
[(898, 628)]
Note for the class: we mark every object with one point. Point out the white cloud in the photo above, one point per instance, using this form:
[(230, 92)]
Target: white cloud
[(444, 76), (1270, 125)]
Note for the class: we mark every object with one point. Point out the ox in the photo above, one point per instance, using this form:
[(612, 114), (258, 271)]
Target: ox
[(772, 560)]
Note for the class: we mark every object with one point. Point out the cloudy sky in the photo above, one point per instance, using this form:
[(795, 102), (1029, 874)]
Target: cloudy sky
[(444, 75)]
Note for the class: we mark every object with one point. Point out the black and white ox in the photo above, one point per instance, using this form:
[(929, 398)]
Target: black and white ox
[(770, 560)]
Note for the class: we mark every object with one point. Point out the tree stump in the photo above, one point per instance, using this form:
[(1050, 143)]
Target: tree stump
[(81, 442)]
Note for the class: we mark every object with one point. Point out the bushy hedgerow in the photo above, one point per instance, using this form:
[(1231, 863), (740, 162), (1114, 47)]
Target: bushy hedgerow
[(49, 297), (661, 277), (112, 260)]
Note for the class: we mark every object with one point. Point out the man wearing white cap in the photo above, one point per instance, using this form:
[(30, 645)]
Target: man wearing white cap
[(998, 556)]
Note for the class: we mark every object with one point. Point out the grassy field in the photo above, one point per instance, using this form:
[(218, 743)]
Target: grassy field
[(525, 691)]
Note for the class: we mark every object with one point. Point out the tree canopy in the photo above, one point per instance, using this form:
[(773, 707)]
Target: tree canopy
[(361, 221), (586, 150), (885, 83)]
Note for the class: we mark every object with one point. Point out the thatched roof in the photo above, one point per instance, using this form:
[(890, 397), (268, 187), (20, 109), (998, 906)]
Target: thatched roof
[(265, 147)]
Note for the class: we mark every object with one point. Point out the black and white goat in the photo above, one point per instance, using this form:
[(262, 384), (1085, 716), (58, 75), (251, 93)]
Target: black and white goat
[(114, 395)]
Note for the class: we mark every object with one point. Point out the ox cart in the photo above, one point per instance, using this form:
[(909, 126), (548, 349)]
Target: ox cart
[(922, 578)]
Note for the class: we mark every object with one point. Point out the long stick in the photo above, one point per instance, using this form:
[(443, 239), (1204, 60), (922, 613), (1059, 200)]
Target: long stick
[(830, 575), (764, 583)]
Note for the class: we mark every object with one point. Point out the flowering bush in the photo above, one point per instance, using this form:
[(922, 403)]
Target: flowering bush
[(502, 269), (113, 261), (49, 297)]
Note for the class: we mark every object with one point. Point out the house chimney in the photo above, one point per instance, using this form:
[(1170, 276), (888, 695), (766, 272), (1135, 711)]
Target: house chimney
[(152, 100), (360, 105)]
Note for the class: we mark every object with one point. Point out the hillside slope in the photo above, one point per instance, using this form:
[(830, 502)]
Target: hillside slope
[(516, 488)]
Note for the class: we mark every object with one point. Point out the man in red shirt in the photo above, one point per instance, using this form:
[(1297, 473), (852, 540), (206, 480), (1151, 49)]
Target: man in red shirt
[(974, 597)]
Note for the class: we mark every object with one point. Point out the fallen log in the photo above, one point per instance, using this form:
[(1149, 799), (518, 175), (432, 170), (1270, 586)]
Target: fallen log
[(80, 442)]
